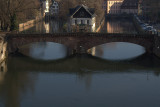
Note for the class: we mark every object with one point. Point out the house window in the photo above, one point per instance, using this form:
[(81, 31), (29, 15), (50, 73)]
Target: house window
[(81, 21), (87, 22), (75, 21)]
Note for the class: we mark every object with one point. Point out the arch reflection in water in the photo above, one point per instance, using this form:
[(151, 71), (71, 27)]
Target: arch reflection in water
[(31, 82), (3, 71), (44, 50), (118, 51), (14, 85)]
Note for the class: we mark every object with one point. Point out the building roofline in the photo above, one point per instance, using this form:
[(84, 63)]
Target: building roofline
[(85, 7)]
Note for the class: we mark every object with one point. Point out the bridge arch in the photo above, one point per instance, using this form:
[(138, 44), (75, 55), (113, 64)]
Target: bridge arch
[(117, 51), (147, 48), (46, 51), (15, 43), (145, 42), (35, 42)]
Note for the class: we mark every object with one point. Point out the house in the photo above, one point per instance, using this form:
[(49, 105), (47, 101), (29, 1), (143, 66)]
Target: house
[(129, 7), (45, 6), (54, 8), (82, 19), (114, 6)]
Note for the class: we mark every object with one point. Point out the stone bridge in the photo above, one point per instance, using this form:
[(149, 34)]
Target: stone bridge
[(81, 42)]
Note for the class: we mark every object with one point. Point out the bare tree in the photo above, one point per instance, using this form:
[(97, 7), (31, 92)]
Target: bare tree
[(13, 10)]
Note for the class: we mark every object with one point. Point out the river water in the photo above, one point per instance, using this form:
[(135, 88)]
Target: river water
[(115, 75)]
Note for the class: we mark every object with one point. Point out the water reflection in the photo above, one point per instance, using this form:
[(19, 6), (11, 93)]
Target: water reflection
[(82, 64), (109, 51), (14, 85), (3, 71), (57, 26), (119, 26), (80, 80), (44, 50), (118, 51), (52, 26)]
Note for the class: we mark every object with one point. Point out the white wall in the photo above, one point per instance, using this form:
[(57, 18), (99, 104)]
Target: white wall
[(91, 21), (47, 6)]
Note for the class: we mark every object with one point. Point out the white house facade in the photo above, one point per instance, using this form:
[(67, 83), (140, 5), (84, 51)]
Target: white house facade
[(45, 7), (82, 19)]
